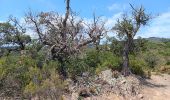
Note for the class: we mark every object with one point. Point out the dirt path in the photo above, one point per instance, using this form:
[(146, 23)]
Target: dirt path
[(157, 88)]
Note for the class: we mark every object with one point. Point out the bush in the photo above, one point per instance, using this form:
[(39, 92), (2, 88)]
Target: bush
[(108, 60), (20, 76), (51, 87), (14, 75), (77, 65), (92, 58), (137, 67), (94, 61), (45, 82), (151, 60), (165, 52), (168, 63)]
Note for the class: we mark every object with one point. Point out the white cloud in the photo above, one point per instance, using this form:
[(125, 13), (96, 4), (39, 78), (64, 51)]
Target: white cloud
[(117, 7), (112, 20), (159, 27)]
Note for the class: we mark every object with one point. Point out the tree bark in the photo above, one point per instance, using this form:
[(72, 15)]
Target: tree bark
[(63, 34), (126, 69), (62, 68), (22, 46)]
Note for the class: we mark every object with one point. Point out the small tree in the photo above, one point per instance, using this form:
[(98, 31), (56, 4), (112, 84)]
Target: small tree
[(13, 33), (126, 28)]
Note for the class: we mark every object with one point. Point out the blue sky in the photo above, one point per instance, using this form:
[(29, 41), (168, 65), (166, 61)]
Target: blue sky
[(111, 9)]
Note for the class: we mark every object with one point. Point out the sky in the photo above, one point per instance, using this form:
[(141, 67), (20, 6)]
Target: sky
[(110, 9)]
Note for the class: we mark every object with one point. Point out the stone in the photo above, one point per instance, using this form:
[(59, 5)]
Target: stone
[(123, 82), (85, 74), (106, 75), (140, 96), (74, 96), (84, 93)]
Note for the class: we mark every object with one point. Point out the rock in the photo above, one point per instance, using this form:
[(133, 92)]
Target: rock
[(140, 96), (84, 93), (70, 85), (93, 90), (123, 82), (74, 96), (116, 74), (106, 75), (85, 74)]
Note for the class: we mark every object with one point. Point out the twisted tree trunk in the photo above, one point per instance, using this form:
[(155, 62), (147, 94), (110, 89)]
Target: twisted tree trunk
[(126, 69)]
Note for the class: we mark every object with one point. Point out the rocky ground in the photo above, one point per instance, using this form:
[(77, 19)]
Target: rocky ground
[(111, 85), (106, 86)]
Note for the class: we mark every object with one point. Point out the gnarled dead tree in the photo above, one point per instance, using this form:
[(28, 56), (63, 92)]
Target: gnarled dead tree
[(65, 35)]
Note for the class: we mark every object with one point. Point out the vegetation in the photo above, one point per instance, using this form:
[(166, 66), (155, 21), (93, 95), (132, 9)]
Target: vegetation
[(68, 47)]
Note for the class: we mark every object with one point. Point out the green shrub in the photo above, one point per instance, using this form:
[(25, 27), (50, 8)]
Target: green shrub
[(77, 65), (151, 60), (108, 60), (19, 75), (14, 75), (168, 63), (137, 66), (93, 61), (165, 52), (51, 87), (92, 58)]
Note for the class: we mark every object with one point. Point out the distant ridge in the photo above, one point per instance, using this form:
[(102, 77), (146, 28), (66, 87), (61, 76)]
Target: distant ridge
[(157, 39)]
